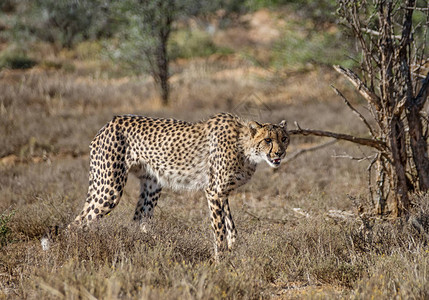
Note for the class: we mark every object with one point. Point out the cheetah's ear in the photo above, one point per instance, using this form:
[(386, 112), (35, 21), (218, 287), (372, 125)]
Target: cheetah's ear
[(283, 124), (254, 126)]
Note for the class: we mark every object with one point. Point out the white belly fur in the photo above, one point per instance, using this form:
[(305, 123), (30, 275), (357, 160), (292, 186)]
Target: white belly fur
[(176, 179)]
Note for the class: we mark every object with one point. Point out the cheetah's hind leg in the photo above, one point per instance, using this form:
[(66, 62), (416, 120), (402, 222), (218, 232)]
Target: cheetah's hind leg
[(149, 194), (108, 173)]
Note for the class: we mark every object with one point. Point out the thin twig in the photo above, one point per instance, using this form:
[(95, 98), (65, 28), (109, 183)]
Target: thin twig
[(354, 110), (370, 96), (369, 169), (359, 159), (377, 33), (276, 221), (417, 8), (418, 75)]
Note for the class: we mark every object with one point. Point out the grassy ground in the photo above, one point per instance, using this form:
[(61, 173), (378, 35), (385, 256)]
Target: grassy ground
[(289, 244)]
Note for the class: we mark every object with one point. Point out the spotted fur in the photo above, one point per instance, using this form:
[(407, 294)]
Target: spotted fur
[(217, 156)]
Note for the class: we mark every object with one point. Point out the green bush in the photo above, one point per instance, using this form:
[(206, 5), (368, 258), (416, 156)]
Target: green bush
[(89, 50), (63, 23), (298, 49), (16, 61)]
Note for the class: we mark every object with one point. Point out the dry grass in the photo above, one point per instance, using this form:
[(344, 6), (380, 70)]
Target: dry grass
[(47, 119)]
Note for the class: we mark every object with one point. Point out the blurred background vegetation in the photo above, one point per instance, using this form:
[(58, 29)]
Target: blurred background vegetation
[(144, 37), (305, 231)]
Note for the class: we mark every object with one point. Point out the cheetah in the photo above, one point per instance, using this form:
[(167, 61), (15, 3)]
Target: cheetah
[(217, 156)]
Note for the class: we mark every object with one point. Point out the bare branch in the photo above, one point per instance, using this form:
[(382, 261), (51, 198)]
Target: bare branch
[(302, 151), (370, 96), (417, 8), (299, 211), (399, 106), (376, 33), (418, 75), (379, 145), (369, 170), (354, 110), (340, 215)]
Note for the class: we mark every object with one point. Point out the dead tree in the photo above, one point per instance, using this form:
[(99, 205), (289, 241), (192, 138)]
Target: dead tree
[(392, 81)]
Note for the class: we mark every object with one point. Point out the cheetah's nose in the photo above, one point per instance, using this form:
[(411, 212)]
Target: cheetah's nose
[(279, 153)]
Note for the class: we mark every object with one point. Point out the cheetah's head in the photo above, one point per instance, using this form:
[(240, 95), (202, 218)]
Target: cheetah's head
[(268, 142)]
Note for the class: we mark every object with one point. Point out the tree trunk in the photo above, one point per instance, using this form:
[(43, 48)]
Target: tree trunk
[(419, 147), (380, 199), (399, 158), (417, 138), (414, 105), (162, 62)]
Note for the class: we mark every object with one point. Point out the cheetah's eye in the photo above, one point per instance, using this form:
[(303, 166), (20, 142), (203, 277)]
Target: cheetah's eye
[(284, 139), (268, 140)]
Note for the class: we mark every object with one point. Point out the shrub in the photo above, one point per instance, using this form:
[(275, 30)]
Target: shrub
[(196, 43), (16, 61), (4, 228)]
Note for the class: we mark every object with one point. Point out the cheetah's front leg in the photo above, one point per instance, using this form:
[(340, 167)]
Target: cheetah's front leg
[(221, 220), (231, 232)]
